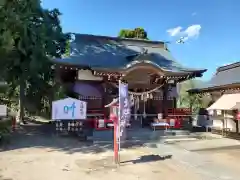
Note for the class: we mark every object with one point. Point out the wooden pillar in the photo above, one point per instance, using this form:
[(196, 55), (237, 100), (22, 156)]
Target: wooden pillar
[(104, 98), (237, 126), (175, 98), (164, 102), (174, 102)]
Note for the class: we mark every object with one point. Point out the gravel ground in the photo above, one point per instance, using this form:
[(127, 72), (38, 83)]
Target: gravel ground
[(36, 154), (45, 163)]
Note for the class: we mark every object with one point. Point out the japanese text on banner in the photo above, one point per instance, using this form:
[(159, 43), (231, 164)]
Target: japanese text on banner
[(124, 107)]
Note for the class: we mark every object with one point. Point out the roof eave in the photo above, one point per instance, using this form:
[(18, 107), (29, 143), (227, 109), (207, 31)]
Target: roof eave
[(196, 73), (213, 88), (199, 73)]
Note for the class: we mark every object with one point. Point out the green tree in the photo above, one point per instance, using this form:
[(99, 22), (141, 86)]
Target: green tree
[(30, 36), (138, 33), (192, 101)]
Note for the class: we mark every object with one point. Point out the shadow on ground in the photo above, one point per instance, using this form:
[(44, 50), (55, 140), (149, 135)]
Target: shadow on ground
[(148, 158), (42, 135)]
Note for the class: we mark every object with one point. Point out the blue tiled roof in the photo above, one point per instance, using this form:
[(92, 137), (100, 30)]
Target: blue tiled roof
[(111, 53), (225, 76)]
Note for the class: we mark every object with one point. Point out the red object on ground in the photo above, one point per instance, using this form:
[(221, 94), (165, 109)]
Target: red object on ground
[(114, 118), (179, 114), (238, 116), (178, 123), (14, 122)]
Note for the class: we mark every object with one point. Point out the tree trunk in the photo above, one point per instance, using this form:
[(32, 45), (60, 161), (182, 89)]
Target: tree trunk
[(21, 101), (191, 102)]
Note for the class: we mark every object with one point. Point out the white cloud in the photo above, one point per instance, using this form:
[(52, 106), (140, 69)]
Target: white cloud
[(190, 32), (174, 31)]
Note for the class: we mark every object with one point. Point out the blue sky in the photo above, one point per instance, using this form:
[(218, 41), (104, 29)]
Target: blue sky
[(210, 27)]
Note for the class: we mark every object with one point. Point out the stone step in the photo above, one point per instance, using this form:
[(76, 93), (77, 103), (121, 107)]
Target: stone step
[(177, 132), (173, 138), (103, 135), (145, 136)]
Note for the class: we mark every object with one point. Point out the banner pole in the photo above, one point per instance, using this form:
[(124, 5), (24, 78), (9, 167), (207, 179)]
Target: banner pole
[(123, 112), (119, 137), (115, 139)]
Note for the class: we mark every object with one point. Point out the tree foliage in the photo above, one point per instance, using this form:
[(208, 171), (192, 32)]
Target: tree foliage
[(30, 36), (138, 33), (192, 101)]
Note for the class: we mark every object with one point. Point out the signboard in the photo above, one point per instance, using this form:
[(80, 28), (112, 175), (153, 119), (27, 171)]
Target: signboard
[(3, 110), (160, 116), (69, 108), (124, 108)]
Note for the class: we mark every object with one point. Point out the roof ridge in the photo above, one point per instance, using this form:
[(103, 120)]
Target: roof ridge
[(119, 38), (228, 66)]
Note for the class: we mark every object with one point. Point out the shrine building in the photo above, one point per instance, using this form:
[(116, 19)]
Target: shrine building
[(97, 63), (224, 90)]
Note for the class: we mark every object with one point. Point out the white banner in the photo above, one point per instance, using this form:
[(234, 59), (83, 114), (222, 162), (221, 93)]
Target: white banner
[(3, 110), (124, 109), (69, 108)]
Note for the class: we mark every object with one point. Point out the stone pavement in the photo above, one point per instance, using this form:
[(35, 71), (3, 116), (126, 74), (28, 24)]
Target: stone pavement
[(203, 165), (209, 144)]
